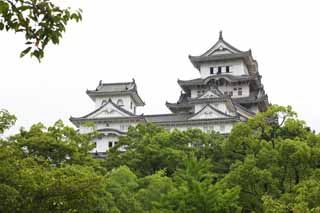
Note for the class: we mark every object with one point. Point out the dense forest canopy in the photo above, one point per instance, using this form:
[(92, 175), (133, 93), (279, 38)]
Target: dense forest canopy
[(269, 164)]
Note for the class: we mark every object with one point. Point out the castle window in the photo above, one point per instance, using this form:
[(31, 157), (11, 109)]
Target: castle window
[(227, 69), (211, 70), (103, 102), (120, 102), (130, 105), (240, 91), (110, 144), (230, 93), (219, 70)]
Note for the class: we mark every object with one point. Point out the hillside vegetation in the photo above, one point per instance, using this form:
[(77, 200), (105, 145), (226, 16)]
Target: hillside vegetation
[(269, 164)]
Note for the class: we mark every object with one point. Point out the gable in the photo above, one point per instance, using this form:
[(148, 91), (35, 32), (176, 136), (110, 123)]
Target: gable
[(220, 48), (108, 110), (209, 94), (209, 112)]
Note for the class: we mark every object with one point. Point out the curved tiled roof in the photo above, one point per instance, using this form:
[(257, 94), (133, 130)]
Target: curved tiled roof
[(203, 81), (250, 99), (183, 118), (112, 89)]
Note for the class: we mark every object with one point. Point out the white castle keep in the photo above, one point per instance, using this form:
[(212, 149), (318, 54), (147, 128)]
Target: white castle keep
[(229, 90)]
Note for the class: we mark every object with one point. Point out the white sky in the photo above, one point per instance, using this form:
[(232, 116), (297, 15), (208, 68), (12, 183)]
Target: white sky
[(150, 41)]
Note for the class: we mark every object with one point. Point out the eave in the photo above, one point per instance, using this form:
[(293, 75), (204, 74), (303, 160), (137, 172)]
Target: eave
[(250, 99), (200, 121), (134, 95), (81, 120), (186, 85)]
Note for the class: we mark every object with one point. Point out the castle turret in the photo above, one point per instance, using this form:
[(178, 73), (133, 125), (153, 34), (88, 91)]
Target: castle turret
[(123, 94)]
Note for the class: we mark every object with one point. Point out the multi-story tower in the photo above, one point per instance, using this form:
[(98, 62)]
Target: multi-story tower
[(229, 90)]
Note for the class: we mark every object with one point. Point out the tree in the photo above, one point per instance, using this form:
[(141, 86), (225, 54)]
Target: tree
[(6, 120), (269, 164), (195, 191), (50, 170), (41, 22)]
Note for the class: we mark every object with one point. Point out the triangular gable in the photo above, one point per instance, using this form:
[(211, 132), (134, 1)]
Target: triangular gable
[(109, 110), (210, 94), (209, 112), (221, 47)]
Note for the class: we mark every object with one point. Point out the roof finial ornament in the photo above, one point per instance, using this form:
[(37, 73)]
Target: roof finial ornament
[(100, 82), (220, 35)]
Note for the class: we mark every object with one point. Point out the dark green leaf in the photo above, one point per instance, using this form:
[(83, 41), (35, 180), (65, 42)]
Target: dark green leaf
[(24, 52)]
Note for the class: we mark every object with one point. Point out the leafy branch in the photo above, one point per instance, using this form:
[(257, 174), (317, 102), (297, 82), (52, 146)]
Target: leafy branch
[(41, 22)]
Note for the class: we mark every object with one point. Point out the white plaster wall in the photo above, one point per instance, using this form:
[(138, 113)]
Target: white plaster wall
[(102, 144), (126, 101), (222, 128), (245, 90), (237, 67)]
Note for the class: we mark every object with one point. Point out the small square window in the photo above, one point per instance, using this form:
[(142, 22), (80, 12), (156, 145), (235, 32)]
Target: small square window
[(110, 144)]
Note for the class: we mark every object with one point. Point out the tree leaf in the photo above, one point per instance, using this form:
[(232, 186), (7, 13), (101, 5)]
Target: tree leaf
[(24, 52)]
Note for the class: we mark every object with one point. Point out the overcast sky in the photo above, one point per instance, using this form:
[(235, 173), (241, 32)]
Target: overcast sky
[(150, 41)]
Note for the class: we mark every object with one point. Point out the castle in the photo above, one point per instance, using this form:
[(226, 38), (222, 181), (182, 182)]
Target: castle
[(228, 90)]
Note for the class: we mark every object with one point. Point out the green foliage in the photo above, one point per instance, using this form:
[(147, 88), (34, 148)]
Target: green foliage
[(269, 164), (40, 21), (6, 120)]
